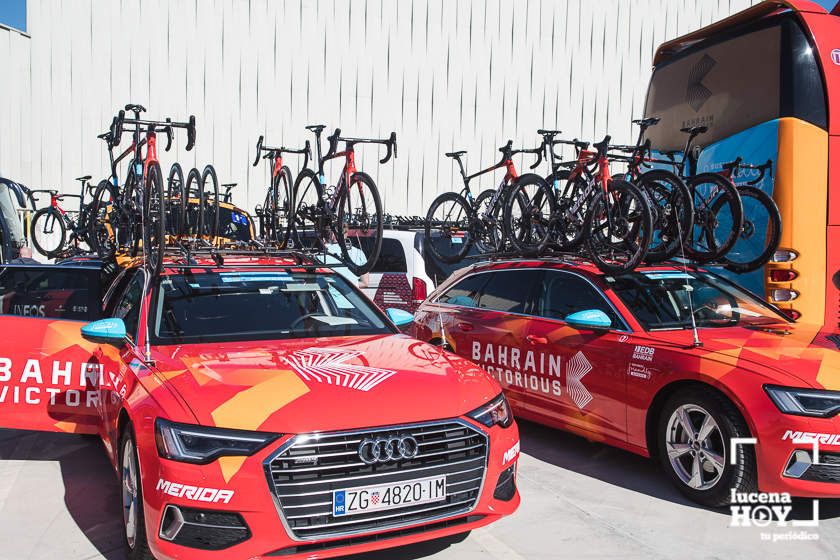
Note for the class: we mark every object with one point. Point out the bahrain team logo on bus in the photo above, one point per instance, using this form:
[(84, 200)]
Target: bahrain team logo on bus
[(329, 365)]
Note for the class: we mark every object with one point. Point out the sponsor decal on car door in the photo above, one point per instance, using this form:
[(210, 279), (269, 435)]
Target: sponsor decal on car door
[(49, 379)]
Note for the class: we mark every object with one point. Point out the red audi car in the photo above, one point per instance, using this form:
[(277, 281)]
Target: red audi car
[(256, 408), (665, 362)]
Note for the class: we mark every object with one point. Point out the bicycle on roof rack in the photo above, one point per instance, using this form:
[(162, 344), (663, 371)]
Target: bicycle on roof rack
[(345, 220), (133, 218), (278, 199), (457, 220), (52, 228)]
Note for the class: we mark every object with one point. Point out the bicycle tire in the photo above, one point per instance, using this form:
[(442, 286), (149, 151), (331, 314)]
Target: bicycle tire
[(489, 240), (772, 237), (48, 217), (265, 212), (704, 225), (531, 232), (281, 187), (154, 220), (459, 228), (195, 214), (135, 204), (569, 232), (176, 199), (673, 214), (305, 211), (602, 247), (211, 225), (366, 222), (99, 229)]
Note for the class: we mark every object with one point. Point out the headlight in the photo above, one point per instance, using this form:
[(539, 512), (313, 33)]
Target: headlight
[(495, 412), (805, 402), (189, 443)]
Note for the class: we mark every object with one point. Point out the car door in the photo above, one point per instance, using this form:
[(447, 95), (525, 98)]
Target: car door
[(48, 378), (491, 316), (575, 377)]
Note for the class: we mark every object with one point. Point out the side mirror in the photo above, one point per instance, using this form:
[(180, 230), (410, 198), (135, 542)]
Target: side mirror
[(399, 317), (588, 319), (110, 331)]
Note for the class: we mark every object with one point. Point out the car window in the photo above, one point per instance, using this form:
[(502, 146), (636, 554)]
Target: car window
[(465, 292), (564, 293), (391, 256), (510, 291), (128, 306), (50, 292)]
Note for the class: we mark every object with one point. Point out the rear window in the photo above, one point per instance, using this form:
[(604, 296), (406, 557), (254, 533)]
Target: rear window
[(391, 255), (54, 292), (259, 305)]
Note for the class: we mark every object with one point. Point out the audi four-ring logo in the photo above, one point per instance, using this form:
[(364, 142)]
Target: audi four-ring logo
[(388, 448)]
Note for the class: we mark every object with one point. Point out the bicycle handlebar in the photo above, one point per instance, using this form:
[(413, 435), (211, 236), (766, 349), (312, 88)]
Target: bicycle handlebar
[(271, 151), (738, 163), (390, 143), (114, 135)]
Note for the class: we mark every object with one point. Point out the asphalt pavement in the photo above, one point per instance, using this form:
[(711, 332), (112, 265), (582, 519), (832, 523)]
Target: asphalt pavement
[(59, 500)]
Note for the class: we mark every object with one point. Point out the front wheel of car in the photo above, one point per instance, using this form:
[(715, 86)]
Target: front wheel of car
[(694, 433), (131, 492)]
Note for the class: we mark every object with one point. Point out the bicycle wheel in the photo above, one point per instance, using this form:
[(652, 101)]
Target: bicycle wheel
[(110, 225), (304, 221), (278, 199), (154, 220), (176, 200), (530, 210), (718, 217), (211, 201), (448, 227), (81, 228), (760, 234), (266, 211), (672, 211), (572, 205), (359, 229), (489, 234), (195, 203), (48, 231), (619, 228)]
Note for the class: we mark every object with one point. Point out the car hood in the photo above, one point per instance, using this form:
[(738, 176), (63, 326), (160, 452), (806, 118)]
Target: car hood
[(795, 353), (322, 384)]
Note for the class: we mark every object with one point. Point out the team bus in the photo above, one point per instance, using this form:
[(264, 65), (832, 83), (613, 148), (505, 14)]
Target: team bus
[(765, 82)]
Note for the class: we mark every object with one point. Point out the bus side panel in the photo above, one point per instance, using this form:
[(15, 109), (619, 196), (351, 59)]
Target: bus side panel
[(825, 29), (49, 380)]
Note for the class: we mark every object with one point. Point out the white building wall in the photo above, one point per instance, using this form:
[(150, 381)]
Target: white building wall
[(443, 73)]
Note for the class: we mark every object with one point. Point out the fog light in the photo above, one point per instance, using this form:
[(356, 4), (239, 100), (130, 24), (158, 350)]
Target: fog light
[(203, 529), (792, 313), (783, 275), (506, 486), (784, 255), (783, 295)]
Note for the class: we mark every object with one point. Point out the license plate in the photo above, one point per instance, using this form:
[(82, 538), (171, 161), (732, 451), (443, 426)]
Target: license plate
[(364, 499)]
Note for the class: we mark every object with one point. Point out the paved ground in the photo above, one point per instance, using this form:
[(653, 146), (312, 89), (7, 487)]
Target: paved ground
[(58, 500)]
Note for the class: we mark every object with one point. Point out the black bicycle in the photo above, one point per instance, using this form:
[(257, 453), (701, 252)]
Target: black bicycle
[(53, 229), (278, 199), (457, 220), (345, 220)]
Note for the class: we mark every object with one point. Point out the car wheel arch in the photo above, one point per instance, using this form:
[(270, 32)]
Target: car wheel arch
[(654, 409)]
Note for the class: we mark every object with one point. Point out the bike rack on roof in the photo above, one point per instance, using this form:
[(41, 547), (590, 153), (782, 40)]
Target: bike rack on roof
[(253, 249)]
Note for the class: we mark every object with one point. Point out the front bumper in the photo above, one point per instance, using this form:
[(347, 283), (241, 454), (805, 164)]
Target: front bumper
[(232, 499)]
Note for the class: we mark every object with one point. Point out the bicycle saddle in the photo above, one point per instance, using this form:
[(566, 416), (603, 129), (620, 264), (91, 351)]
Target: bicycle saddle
[(543, 132), (135, 108), (229, 185), (694, 130), (316, 128), (603, 145), (459, 153), (85, 178), (649, 121)]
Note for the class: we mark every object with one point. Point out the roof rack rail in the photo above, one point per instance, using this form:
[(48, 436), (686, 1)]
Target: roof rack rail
[(201, 248)]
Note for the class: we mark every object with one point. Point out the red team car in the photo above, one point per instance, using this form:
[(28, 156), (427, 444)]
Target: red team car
[(617, 360), (256, 408)]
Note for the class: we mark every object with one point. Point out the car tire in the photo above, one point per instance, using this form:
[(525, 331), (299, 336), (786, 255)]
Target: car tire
[(698, 463), (131, 492)]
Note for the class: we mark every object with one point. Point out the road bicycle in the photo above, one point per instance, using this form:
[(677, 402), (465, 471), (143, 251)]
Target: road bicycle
[(457, 220), (610, 217), (761, 231), (345, 220), (669, 197), (278, 198), (134, 217), (718, 211), (53, 229)]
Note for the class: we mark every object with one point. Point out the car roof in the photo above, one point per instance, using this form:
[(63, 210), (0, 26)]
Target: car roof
[(574, 263)]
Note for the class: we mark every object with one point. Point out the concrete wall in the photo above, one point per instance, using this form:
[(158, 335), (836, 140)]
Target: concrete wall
[(442, 73)]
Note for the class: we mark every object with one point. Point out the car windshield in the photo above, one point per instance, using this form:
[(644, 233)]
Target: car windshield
[(259, 305), (660, 300)]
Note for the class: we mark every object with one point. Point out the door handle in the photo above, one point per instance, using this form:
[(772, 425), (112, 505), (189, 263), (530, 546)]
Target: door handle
[(464, 326), (532, 339)]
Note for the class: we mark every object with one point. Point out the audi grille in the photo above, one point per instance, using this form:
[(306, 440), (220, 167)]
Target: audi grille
[(306, 470)]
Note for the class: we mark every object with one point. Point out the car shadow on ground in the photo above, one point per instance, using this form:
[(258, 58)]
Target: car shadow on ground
[(91, 489), (628, 470)]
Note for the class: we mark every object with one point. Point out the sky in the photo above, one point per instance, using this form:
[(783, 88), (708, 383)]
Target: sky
[(13, 13)]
